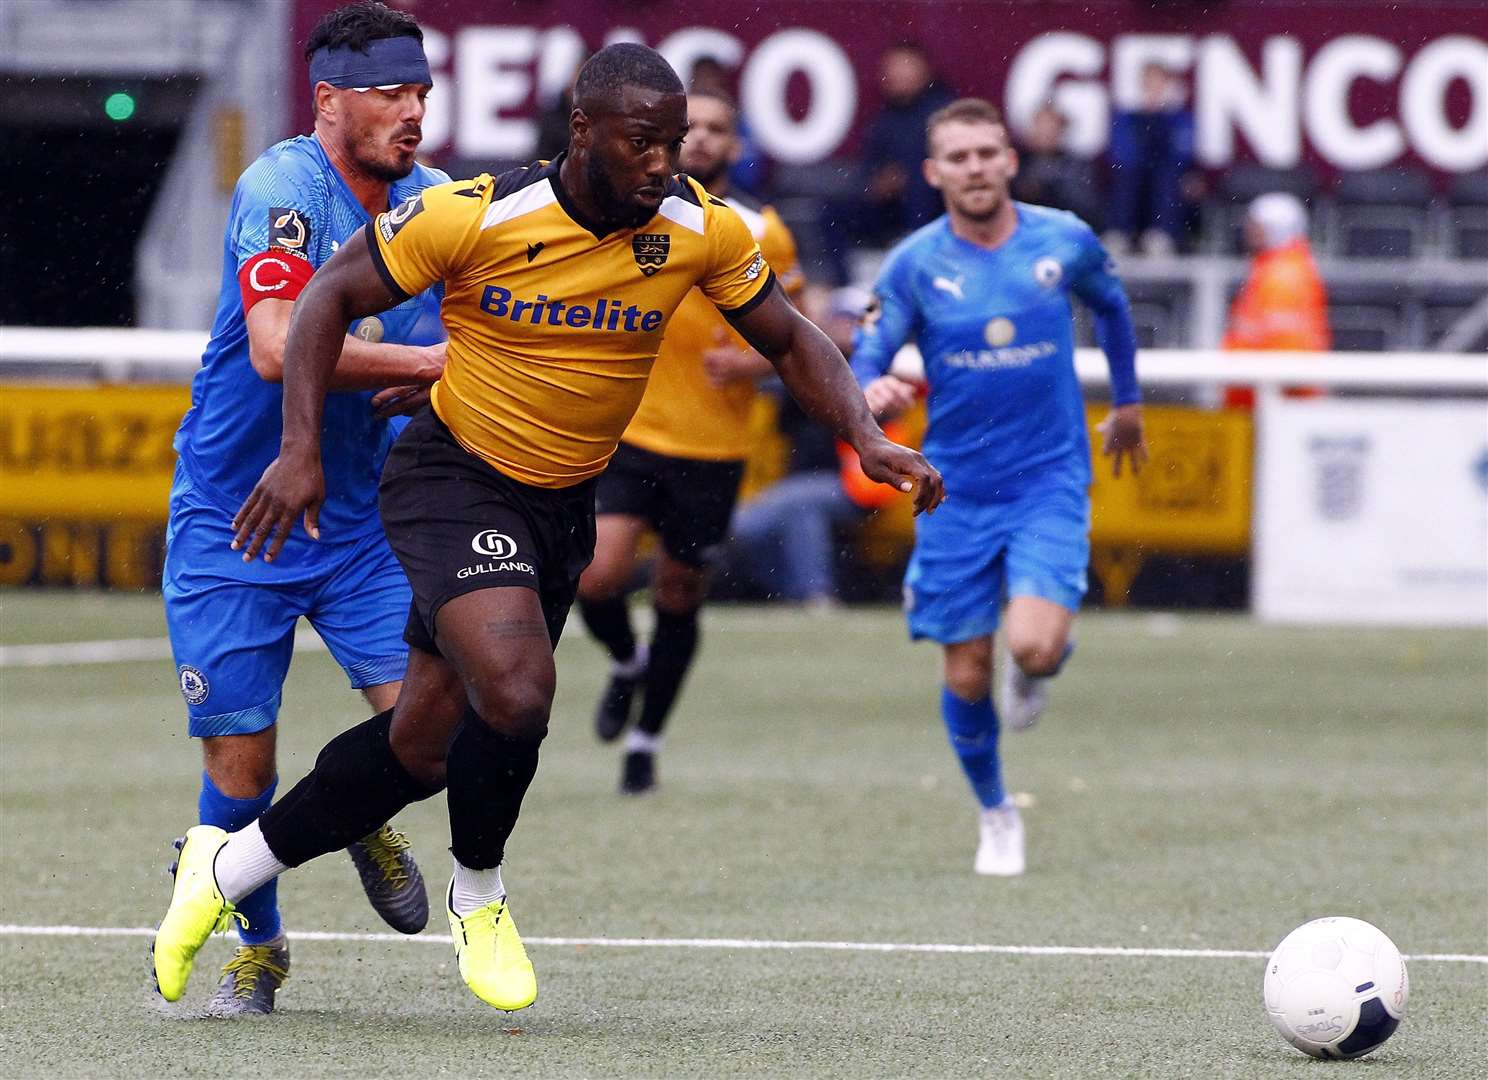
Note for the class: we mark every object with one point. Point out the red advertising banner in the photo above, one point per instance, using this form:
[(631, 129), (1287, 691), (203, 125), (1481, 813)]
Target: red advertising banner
[(1338, 85)]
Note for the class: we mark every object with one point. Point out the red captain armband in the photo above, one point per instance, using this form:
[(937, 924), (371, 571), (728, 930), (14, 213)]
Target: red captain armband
[(273, 275)]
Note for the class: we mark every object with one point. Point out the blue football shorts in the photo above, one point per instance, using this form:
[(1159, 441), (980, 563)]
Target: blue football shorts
[(232, 623), (972, 556)]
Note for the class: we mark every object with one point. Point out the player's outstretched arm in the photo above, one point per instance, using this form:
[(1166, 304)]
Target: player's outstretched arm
[(364, 365), (347, 287), (817, 375)]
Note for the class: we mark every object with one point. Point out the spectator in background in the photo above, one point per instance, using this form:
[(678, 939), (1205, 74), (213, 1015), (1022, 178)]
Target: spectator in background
[(1049, 175), (1153, 185), (751, 169), (552, 122), (552, 125), (783, 540), (895, 196), (1283, 304)]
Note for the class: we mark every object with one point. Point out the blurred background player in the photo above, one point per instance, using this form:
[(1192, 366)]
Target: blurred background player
[(488, 497), (985, 290), (677, 469), (232, 623), (1283, 303), (750, 172)]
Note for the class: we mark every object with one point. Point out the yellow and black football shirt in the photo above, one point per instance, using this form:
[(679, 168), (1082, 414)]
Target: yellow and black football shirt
[(683, 414), (553, 324)]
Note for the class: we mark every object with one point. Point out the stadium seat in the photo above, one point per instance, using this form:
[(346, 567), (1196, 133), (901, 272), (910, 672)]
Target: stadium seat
[(1467, 216), (1160, 308), (1371, 317), (1380, 214), (800, 194), (1160, 311), (1444, 305), (1225, 210)]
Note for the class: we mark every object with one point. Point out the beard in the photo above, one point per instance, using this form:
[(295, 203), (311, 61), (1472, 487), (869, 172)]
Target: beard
[(992, 210), (616, 210), (390, 166), (707, 174), (387, 171)]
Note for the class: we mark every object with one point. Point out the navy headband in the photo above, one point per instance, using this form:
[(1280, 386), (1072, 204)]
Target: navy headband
[(393, 61)]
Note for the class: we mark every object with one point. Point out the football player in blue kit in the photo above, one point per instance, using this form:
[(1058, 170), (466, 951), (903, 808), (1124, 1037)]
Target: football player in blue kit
[(985, 292), (232, 622)]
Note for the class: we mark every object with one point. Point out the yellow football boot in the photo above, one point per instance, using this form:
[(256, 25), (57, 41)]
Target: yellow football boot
[(197, 911), (493, 962)]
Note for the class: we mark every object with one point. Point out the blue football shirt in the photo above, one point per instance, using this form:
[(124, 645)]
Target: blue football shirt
[(996, 331), (292, 200)]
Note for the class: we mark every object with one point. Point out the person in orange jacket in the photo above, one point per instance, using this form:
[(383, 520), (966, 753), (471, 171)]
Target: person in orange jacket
[(1283, 304)]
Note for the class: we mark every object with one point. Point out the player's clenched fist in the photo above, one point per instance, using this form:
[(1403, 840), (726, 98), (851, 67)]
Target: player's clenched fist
[(288, 488), (903, 468)]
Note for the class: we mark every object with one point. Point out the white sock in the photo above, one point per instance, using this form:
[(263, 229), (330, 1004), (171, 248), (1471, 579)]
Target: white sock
[(473, 889), (994, 813), (636, 665), (638, 741), (244, 863)]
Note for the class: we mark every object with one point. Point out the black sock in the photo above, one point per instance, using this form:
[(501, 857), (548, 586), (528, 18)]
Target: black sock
[(609, 622), (672, 649), (488, 775), (356, 786)]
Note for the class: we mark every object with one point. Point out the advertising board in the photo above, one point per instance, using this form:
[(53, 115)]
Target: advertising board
[(1372, 512), (1277, 83)]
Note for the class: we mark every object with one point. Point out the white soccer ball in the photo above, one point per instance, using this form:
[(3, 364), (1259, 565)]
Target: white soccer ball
[(1336, 988)]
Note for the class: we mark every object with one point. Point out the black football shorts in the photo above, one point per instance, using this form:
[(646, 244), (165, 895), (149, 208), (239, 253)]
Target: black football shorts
[(458, 525), (687, 501)]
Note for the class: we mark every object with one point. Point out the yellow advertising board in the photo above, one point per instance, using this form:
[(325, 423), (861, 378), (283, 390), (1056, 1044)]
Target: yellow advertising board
[(88, 453), (1192, 497), (85, 475)]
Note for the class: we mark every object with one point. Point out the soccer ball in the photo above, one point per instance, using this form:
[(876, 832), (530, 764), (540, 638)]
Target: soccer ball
[(1336, 988)]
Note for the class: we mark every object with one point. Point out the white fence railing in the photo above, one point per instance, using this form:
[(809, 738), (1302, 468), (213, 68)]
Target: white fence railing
[(1369, 506), (120, 355)]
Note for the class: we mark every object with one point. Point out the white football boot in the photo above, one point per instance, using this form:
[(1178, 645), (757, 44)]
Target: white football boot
[(1024, 697), (1000, 853)]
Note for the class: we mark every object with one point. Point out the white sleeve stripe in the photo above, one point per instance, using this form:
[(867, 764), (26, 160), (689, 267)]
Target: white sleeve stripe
[(523, 201), (753, 218), (688, 215)]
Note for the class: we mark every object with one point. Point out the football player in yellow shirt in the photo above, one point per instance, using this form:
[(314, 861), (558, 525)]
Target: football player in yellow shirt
[(677, 470), (559, 279)]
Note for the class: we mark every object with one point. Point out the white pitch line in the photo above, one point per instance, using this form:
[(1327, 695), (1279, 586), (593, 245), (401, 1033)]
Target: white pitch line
[(14, 930), (121, 650)]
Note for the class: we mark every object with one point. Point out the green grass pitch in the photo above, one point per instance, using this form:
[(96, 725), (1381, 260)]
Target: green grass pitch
[(1199, 783)]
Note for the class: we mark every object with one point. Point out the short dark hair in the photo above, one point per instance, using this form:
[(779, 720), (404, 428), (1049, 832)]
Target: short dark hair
[(717, 95), (622, 64), (354, 25), (969, 110)]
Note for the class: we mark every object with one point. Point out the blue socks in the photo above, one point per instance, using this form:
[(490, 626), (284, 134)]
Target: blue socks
[(261, 907), (973, 728), (1069, 648)]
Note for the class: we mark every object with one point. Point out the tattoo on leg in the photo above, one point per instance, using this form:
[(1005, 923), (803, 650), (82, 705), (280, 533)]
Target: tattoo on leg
[(517, 628)]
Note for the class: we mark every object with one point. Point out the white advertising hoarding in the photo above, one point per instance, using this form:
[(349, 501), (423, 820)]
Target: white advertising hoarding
[(1372, 512)]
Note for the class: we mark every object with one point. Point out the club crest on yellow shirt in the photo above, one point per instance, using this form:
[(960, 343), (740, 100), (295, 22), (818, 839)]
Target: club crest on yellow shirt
[(651, 250)]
